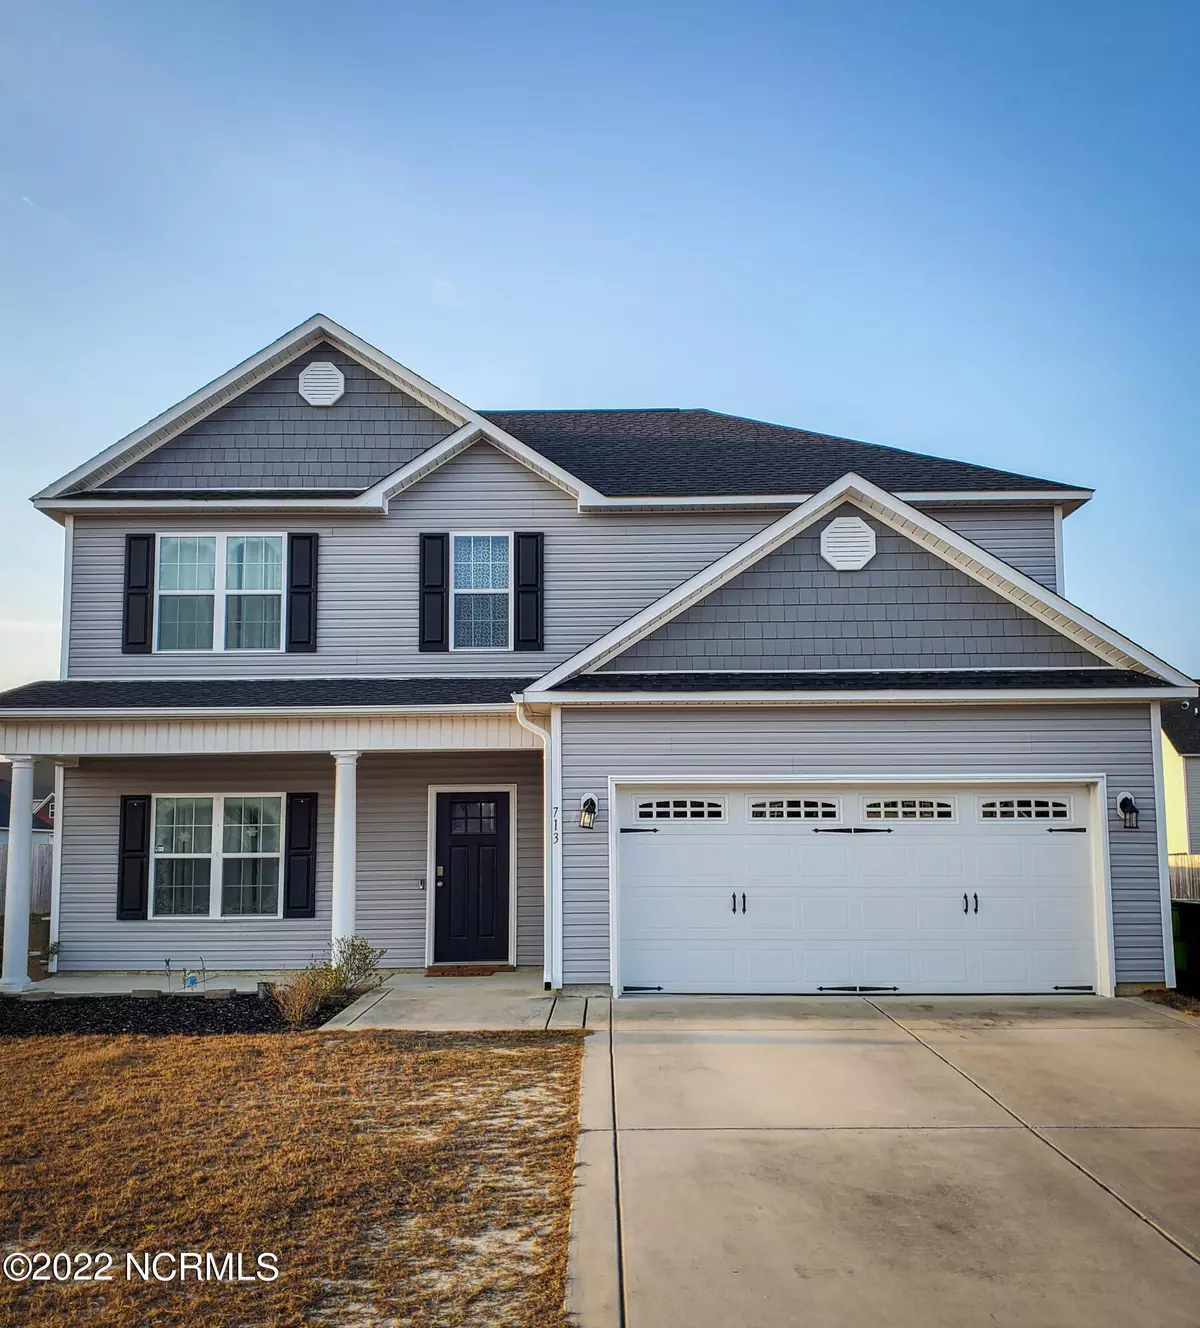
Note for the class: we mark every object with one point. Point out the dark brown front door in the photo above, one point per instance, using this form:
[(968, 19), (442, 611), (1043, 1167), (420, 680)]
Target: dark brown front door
[(470, 910)]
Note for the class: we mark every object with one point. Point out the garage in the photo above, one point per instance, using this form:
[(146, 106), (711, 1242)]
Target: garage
[(785, 888)]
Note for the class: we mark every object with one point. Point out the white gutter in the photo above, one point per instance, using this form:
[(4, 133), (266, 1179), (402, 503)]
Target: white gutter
[(992, 696)]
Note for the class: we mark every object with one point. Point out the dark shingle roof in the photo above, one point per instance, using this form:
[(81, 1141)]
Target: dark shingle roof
[(693, 453), (862, 681), (1182, 726), (268, 693)]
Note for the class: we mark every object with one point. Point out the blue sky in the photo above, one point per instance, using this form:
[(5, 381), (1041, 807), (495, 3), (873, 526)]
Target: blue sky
[(963, 229)]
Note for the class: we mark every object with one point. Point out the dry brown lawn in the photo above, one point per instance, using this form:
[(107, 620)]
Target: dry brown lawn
[(400, 1178)]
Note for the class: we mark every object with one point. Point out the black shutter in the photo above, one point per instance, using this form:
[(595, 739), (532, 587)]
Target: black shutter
[(435, 592), (302, 594), (300, 857), (133, 857), (137, 626), (527, 578)]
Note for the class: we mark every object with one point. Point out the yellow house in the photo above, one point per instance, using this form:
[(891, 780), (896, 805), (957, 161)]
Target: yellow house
[(1181, 774)]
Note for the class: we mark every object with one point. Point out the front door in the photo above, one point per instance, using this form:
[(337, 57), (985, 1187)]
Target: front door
[(470, 912)]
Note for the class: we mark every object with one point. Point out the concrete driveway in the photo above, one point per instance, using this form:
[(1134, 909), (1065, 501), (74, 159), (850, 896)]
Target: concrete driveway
[(898, 1161)]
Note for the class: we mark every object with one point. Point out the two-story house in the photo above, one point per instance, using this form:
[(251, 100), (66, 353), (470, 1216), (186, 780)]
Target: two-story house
[(661, 699)]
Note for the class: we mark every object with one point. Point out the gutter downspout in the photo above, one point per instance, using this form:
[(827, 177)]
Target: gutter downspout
[(549, 836)]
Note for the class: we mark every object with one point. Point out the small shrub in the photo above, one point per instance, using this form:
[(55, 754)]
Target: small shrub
[(299, 996), (355, 967)]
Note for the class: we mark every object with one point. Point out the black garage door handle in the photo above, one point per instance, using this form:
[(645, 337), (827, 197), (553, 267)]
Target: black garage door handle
[(638, 830)]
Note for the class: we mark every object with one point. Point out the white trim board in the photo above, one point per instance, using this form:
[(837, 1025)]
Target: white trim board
[(954, 549), (1096, 784), (933, 696), (479, 786)]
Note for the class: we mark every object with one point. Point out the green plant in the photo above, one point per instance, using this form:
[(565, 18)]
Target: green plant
[(355, 966), (300, 995)]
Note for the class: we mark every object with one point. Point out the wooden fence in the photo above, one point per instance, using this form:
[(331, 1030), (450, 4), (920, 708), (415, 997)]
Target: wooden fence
[(43, 867), (1185, 875)]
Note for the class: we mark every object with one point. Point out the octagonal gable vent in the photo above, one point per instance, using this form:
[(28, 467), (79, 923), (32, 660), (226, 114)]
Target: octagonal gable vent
[(848, 543), (321, 383)]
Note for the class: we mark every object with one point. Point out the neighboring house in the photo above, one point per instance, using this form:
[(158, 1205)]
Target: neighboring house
[(42, 820), (665, 699), (1181, 762)]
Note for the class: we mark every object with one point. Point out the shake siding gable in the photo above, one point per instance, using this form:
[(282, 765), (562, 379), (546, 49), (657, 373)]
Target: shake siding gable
[(823, 742), (270, 437), (906, 609)]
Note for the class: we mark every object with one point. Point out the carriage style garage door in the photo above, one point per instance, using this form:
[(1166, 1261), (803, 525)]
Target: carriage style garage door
[(786, 889)]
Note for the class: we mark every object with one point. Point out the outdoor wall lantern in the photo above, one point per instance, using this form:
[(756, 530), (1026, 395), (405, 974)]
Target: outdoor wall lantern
[(1127, 810), (587, 811)]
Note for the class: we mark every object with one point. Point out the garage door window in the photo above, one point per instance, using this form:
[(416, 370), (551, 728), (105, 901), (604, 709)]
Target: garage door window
[(681, 809), (1025, 809), (793, 809), (909, 809)]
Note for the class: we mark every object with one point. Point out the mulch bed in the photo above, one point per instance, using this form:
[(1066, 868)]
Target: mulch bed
[(240, 1013), (399, 1178), (1176, 1000)]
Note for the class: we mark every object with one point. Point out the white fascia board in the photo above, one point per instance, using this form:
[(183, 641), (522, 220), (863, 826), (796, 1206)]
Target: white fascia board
[(150, 714), (955, 549), (237, 380), (1069, 498), (885, 696)]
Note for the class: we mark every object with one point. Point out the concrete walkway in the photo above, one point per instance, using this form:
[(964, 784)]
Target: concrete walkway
[(410, 1000), (918, 1162)]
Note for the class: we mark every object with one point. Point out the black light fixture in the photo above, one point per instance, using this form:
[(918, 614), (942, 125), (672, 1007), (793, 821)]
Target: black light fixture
[(1128, 811), (587, 811)]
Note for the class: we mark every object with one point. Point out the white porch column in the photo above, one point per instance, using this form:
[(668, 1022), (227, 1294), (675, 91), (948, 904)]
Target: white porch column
[(15, 974), (345, 842)]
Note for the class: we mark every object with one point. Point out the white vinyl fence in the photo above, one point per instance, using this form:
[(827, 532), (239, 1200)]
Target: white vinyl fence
[(43, 866)]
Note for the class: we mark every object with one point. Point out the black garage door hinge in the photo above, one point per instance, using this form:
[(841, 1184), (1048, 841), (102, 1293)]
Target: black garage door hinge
[(858, 989), (853, 830)]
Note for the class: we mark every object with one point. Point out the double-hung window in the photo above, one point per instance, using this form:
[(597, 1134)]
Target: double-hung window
[(481, 592), (219, 592), (217, 856)]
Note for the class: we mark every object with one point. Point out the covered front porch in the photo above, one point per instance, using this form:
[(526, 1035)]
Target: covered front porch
[(425, 836)]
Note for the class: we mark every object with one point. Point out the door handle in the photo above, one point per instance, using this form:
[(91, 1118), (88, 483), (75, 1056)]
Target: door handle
[(734, 898), (966, 908), (743, 901), (976, 903)]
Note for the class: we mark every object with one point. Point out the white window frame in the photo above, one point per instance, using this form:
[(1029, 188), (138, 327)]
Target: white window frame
[(216, 856), (219, 593), (869, 798), (785, 798), (454, 591), (1017, 795)]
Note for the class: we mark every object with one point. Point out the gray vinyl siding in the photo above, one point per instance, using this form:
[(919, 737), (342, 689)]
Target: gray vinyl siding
[(771, 742), (392, 829), (599, 570), (1191, 789), (906, 609), (270, 437), (1023, 536)]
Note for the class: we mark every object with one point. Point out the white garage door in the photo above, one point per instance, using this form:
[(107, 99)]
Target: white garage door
[(772, 889)]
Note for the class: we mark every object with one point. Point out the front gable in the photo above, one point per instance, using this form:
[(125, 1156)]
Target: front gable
[(907, 608), (946, 599), (270, 437)]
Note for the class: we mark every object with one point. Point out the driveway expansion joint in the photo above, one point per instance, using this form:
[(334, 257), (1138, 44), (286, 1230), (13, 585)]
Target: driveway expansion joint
[(1037, 1134)]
